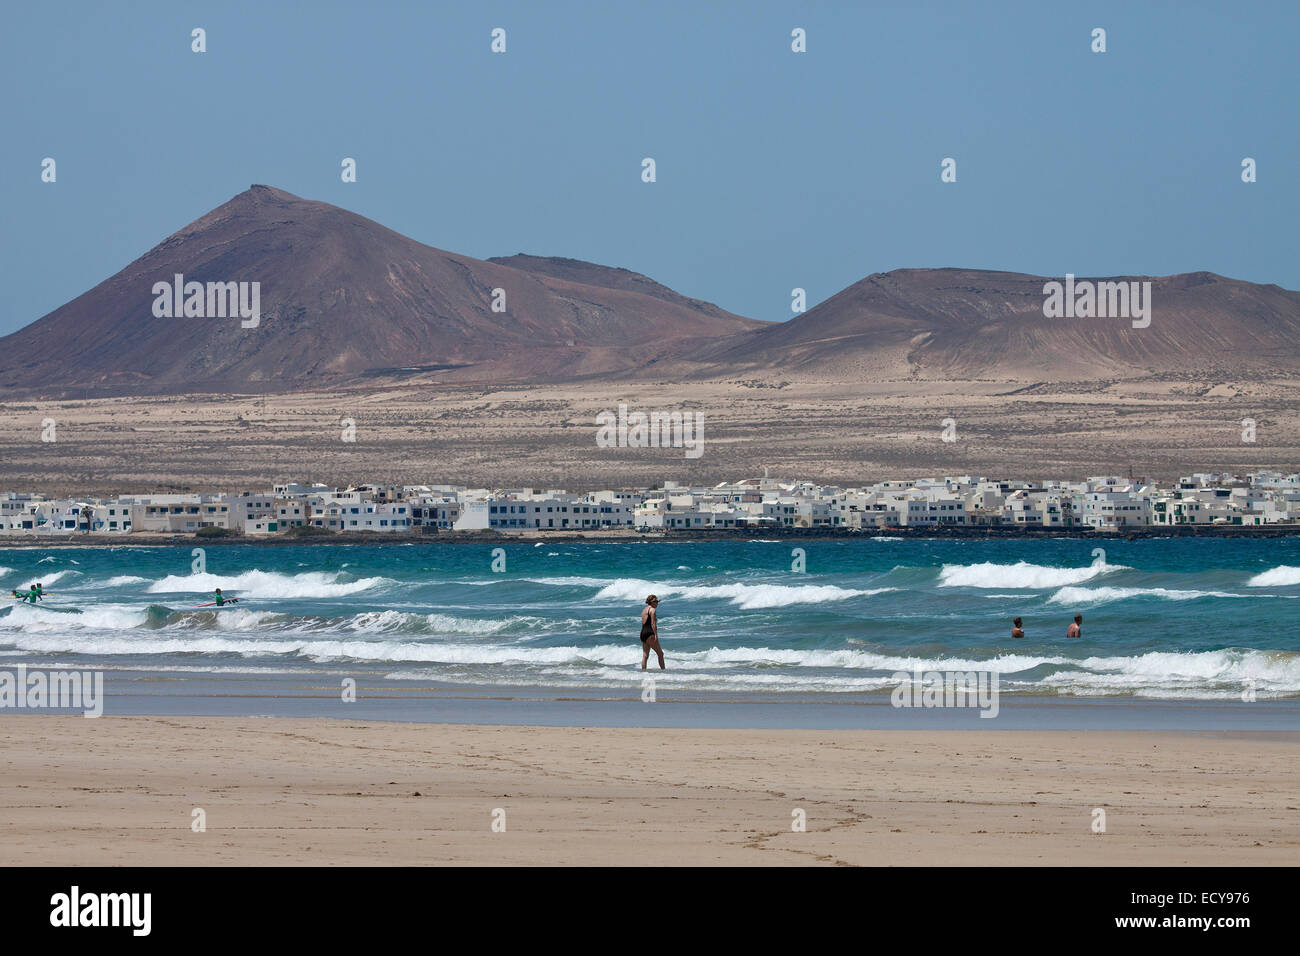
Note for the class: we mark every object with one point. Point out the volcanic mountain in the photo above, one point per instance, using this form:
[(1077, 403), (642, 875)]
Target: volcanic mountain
[(962, 324), (606, 277), (343, 296)]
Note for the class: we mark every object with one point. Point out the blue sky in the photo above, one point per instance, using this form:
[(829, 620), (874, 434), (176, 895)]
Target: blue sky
[(775, 169)]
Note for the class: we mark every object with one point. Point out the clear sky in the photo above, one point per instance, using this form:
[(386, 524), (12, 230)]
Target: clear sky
[(775, 169)]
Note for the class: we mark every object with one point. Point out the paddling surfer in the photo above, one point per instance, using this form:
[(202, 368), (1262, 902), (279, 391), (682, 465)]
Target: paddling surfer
[(650, 632)]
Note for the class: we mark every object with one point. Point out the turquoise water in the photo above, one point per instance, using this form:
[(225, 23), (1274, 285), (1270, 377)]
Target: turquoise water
[(1163, 618)]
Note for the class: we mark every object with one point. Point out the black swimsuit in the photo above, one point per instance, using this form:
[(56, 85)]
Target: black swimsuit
[(647, 628)]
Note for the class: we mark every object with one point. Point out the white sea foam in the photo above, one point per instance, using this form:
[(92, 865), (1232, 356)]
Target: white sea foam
[(267, 584), (1281, 576), (27, 619), (1018, 575), (124, 579), (567, 582), (1270, 672), (383, 621), (273, 645), (1189, 674), (227, 619), (624, 680), (745, 596), (379, 621), (1105, 595), (48, 579)]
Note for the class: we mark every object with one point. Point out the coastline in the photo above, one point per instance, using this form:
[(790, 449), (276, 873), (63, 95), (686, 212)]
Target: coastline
[(315, 693), (125, 791), (159, 539), (745, 624)]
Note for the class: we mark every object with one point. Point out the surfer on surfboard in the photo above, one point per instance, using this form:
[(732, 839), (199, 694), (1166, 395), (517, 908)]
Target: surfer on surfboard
[(220, 600), (31, 595)]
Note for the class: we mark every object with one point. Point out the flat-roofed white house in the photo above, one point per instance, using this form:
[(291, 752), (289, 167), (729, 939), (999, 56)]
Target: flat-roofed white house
[(18, 512), (363, 516), (1116, 507), (15, 523), (1173, 510), (63, 516), (291, 512), (294, 489), (179, 512), (936, 509), (249, 508), (448, 512), (110, 517), (1022, 508), (649, 514), (548, 511), (613, 509)]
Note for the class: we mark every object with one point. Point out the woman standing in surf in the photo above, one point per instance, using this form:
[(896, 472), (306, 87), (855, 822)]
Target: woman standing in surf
[(650, 632)]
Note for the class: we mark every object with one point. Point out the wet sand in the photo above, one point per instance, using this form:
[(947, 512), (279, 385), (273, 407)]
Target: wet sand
[(123, 790)]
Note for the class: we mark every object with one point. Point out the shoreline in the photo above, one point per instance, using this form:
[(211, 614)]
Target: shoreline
[(161, 539), (296, 791), (316, 693)]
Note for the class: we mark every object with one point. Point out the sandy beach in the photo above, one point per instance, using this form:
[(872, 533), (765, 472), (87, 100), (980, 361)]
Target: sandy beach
[(123, 790)]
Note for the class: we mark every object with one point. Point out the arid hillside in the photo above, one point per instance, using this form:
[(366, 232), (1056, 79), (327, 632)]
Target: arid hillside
[(342, 297)]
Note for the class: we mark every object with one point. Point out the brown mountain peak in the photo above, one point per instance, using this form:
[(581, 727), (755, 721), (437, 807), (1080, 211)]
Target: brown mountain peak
[(342, 296)]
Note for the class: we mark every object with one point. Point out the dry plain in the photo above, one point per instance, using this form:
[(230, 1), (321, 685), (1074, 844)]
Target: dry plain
[(425, 431)]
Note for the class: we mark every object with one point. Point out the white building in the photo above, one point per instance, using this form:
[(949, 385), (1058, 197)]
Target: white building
[(362, 516), (178, 513)]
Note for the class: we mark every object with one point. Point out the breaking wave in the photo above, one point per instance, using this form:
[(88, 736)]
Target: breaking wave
[(1105, 595), (1281, 576), (745, 596), (268, 584), (1019, 575)]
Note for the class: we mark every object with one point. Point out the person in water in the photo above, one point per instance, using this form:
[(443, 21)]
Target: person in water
[(40, 591), (221, 601), (1016, 629), (650, 632), (1075, 629)]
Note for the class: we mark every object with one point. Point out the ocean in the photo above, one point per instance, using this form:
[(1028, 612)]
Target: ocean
[(1190, 619)]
